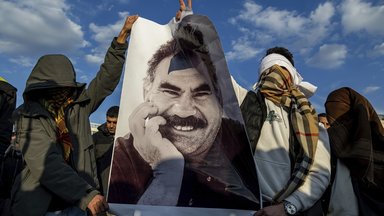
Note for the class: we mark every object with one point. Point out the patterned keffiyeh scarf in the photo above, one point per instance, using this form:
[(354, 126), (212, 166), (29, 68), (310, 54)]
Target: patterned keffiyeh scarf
[(56, 102), (276, 85)]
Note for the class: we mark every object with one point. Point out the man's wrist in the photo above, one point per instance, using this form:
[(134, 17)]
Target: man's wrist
[(90, 193), (289, 208), (116, 45)]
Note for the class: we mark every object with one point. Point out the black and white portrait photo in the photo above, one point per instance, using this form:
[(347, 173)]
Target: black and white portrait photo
[(180, 138)]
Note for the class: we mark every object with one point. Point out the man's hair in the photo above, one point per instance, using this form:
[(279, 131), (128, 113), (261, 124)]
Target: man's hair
[(189, 42), (322, 115), (113, 112), (282, 51)]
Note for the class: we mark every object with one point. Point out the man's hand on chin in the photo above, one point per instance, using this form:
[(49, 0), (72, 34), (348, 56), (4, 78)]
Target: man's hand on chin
[(144, 124)]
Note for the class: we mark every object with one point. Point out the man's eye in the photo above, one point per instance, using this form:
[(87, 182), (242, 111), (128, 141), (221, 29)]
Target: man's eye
[(171, 93), (202, 94)]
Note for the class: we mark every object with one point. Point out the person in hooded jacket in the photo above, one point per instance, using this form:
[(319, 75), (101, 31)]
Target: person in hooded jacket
[(53, 131), (7, 106), (357, 139), (103, 140), (7, 167)]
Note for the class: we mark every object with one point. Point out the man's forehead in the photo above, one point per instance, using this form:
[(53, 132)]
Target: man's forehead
[(111, 119), (190, 77), (173, 64), (184, 77)]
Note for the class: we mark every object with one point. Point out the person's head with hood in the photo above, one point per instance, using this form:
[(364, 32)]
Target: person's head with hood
[(283, 57), (52, 82)]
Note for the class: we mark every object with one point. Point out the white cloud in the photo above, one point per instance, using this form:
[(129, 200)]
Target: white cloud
[(318, 26), (329, 56), (323, 14), (242, 50), (84, 78), (283, 26), (378, 50), (103, 36), (37, 26), (94, 59), (358, 15), (105, 6), (22, 60), (370, 89), (280, 22)]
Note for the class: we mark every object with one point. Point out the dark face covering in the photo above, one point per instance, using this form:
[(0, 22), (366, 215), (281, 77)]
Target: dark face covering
[(58, 96)]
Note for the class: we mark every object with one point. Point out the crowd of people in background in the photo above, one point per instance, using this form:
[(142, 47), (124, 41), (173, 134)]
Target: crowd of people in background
[(308, 163)]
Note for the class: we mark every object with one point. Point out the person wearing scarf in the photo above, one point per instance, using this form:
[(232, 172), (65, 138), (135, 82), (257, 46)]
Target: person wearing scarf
[(290, 150), (54, 134), (357, 140), (56, 101)]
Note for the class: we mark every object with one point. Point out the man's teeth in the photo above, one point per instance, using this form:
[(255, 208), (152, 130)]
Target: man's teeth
[(183, 128)]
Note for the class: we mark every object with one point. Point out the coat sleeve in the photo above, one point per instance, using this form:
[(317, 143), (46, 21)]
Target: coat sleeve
[(318, 178), (239, 91), (47, 168), (108, 76)]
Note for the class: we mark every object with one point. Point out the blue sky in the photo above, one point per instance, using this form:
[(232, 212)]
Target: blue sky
[(335, 43)]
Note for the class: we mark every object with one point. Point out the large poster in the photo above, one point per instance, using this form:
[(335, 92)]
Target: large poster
[(180, 139)]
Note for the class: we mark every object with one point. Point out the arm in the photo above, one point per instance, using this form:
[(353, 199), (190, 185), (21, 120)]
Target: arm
[(44, 160), (239, 91), (314, 186), (110, 71), (318, 178), (166, 161), (43, 157), (165, 186)]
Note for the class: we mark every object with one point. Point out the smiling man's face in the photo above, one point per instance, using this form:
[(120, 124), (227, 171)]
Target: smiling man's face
[(186, 99)]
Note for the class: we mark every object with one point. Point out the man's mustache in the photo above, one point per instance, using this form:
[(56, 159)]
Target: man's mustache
[(174, 120), (192, 121)]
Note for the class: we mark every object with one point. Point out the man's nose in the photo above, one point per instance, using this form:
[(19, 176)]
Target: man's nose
[(185, 107)]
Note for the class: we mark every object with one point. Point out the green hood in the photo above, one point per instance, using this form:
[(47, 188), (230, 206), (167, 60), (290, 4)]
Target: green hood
[(52, 71)]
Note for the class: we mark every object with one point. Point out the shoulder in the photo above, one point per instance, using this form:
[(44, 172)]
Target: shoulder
[(7, 88), (31, 109), (97, 134)]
